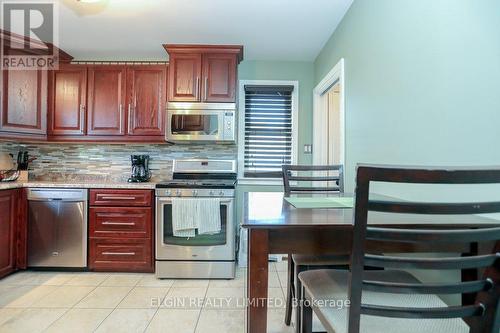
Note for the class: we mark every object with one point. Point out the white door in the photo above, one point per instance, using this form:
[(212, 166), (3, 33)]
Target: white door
[(328, 118)]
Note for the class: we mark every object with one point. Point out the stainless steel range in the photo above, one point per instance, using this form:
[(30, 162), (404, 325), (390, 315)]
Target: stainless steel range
[(196, 254)]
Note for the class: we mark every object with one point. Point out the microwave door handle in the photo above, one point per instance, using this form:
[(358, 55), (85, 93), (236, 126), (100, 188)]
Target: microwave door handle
[(222, 125)]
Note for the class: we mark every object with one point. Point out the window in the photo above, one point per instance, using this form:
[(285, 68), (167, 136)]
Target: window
[(267, 128)]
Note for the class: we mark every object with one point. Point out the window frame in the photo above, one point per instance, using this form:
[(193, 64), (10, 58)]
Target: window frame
[(241, 128)]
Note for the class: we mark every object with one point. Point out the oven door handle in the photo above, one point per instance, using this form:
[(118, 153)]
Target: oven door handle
[(169, 200)]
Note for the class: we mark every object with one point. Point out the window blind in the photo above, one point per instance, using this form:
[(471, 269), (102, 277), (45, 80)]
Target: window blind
[(268, 130)]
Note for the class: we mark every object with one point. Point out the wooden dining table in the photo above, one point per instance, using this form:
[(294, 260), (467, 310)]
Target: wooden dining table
[(276, 227)]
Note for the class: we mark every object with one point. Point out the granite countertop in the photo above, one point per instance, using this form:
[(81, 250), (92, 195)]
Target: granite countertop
[(76, 184)]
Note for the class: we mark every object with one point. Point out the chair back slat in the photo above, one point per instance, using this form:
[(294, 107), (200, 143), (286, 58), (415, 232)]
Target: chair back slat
[(313, 179), (297, 189), (423, 313), (434, 208), (441, 236), (436, 288), (431, 175), (329, 183), (486, 288), (431, 263)]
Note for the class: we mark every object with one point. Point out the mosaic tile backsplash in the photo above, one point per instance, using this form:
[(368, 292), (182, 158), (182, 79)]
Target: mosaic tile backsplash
[(64, 161)]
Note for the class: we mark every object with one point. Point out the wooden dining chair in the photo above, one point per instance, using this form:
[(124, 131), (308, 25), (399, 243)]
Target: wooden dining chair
[(393, 300), (331, 179)]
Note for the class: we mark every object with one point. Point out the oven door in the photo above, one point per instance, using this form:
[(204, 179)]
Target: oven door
[(220, 246), (195, 125)]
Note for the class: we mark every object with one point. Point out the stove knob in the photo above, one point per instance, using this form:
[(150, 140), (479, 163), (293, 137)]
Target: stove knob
[(211, 193), (195, 193), (221, 193), (168, 192), (178, 193)]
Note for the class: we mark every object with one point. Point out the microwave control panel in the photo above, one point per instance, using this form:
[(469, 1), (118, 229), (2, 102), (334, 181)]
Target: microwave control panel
[(228, 126)]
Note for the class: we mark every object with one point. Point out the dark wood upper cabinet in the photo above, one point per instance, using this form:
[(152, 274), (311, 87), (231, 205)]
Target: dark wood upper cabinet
[(8, 220), (203, 73), (184, 82), (68, 100), (219, 77), (24, 102), (23, 93), (146, 99), (106, 113)]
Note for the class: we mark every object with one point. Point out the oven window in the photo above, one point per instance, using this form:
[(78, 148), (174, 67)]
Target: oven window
[(184, 124), (198, 240)]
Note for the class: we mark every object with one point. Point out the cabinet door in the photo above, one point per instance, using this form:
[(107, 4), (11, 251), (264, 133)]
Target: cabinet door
[(120, 255), (124, 222), (68, 100), (122, 198), (219, 77), (24, 102), (146, 99), (184, 77), (106, 100), (8, 217)]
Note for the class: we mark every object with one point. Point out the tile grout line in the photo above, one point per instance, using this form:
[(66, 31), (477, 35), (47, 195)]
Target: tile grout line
[(201, 309), (113, 309), (157, 309), (73, 306), (31, 305)]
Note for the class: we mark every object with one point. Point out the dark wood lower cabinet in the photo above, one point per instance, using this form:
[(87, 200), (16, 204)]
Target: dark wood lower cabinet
[(22, 230), (12, 227), (127, 198), (120, 233), (127, 222), (120, 255)]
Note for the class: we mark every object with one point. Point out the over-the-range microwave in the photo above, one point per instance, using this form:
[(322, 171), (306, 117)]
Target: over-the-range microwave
[(201, 122)]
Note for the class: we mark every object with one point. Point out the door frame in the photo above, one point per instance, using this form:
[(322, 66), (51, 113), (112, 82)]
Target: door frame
[(320, 125)]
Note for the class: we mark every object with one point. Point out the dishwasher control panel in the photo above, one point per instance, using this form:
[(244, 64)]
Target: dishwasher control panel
[(54, 194)]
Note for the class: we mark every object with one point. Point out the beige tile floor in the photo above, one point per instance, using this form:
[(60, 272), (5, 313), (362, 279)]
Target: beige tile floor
[(115, 302)]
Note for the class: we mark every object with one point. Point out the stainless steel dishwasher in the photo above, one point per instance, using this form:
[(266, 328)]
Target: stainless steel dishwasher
[(57, 227)]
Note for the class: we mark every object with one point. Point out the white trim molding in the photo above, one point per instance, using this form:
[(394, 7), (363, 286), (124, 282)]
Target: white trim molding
[(241, 125), (320, 125)]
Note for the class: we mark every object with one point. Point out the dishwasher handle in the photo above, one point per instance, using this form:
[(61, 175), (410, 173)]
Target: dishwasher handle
[(51, 194), (56, 200)]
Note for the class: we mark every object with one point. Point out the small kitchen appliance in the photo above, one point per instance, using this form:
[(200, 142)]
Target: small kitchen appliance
[(206, 255), (201, 122), (8, 170), (140, 169)]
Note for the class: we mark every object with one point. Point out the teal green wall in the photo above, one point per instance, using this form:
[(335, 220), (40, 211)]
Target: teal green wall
[(422, 88), (422, 82)]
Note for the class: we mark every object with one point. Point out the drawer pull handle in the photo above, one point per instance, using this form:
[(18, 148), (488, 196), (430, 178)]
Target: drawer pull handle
[(117, 223), (119, 253), (118, 198)]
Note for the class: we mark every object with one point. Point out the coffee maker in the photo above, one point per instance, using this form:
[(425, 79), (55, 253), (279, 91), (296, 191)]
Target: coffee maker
[(140, 169)]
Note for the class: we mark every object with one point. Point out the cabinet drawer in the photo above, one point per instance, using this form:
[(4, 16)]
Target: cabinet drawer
[(121, 255), (120, 222), (112, 197)]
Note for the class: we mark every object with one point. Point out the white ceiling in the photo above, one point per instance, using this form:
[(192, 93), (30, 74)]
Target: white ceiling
[(135, 29)]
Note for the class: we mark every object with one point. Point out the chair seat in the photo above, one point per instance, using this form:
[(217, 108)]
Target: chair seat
[(328, 284), (320, 260)]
